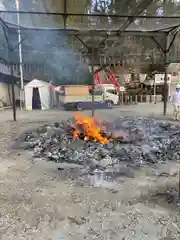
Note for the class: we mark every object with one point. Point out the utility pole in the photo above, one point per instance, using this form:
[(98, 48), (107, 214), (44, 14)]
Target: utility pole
[(20, 55)]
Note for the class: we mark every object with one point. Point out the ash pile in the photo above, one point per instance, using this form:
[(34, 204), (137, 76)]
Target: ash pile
[(118, 147)]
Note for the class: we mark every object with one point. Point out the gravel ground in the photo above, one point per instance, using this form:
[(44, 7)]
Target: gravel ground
[(37, 203)]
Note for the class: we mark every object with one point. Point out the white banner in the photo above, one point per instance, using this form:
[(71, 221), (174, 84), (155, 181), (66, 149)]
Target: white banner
[(159, 78), (142, 77), (127, 78)]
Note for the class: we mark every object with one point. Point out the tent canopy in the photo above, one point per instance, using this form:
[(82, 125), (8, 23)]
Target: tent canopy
[(35, 83), (88, 30), (107, 15), (48, 26)]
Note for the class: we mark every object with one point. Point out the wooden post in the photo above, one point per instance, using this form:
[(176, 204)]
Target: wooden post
[(141, 98), (126, 99), (165, 77), (136, 99), (122, 98), (151, 98), (130, 100)]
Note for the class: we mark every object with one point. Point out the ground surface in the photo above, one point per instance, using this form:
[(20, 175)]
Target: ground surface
[(35, 203)]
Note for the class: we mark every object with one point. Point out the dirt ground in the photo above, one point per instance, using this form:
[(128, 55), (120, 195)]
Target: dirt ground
[(36, 204)]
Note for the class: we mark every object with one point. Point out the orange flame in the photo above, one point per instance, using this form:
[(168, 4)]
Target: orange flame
[(90, 128)]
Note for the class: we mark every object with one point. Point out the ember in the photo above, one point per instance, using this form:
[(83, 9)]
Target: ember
[(89, 127)]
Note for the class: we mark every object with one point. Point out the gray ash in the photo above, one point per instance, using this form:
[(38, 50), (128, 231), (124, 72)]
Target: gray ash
[(145, 141)]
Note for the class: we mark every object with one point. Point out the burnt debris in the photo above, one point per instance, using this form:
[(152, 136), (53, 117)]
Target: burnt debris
[(135, 142)]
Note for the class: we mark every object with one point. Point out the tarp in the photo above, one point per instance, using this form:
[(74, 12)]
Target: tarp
[(47, 96), (4, 69), (6, 93)]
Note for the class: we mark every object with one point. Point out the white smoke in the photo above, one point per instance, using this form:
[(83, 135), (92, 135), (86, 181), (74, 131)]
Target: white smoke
[(52, 49)]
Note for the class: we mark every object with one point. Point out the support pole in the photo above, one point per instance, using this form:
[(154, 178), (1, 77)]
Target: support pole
[(179, 183), (65, 14), (12, 82), (93, 83), (9, 56), (20, 55), (165, 77), (13, 93), (154, 91)]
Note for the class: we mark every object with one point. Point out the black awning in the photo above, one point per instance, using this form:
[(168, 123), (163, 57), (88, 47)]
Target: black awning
[(8, 79)]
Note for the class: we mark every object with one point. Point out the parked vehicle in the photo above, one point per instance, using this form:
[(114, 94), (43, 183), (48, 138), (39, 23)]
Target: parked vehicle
[(80, 97)]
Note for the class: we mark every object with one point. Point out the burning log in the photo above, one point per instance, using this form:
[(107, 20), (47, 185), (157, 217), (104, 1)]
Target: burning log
[(90, 129)]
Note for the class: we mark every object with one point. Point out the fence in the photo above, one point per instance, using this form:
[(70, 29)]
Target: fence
[(126, 99)]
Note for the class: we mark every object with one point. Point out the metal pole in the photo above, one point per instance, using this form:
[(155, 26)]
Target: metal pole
[(9, 55), (179, 183), (169, 90), (93, 83), (65, 14), (165, 77), (12, 82), (154, 91), (122, 95), (13, 93), (20, 55)]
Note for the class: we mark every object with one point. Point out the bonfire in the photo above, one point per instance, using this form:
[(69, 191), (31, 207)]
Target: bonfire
[(86, 141), (89, 129)]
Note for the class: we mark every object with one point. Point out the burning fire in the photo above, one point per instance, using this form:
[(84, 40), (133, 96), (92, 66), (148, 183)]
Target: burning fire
[(89, 128)]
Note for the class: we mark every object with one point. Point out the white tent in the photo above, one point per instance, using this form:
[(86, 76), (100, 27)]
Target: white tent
[(46, 93)]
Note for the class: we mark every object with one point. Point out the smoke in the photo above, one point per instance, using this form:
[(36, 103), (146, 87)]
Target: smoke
[(53, 49)]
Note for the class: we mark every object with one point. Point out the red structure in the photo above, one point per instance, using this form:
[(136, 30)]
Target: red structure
[(111, 77)]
